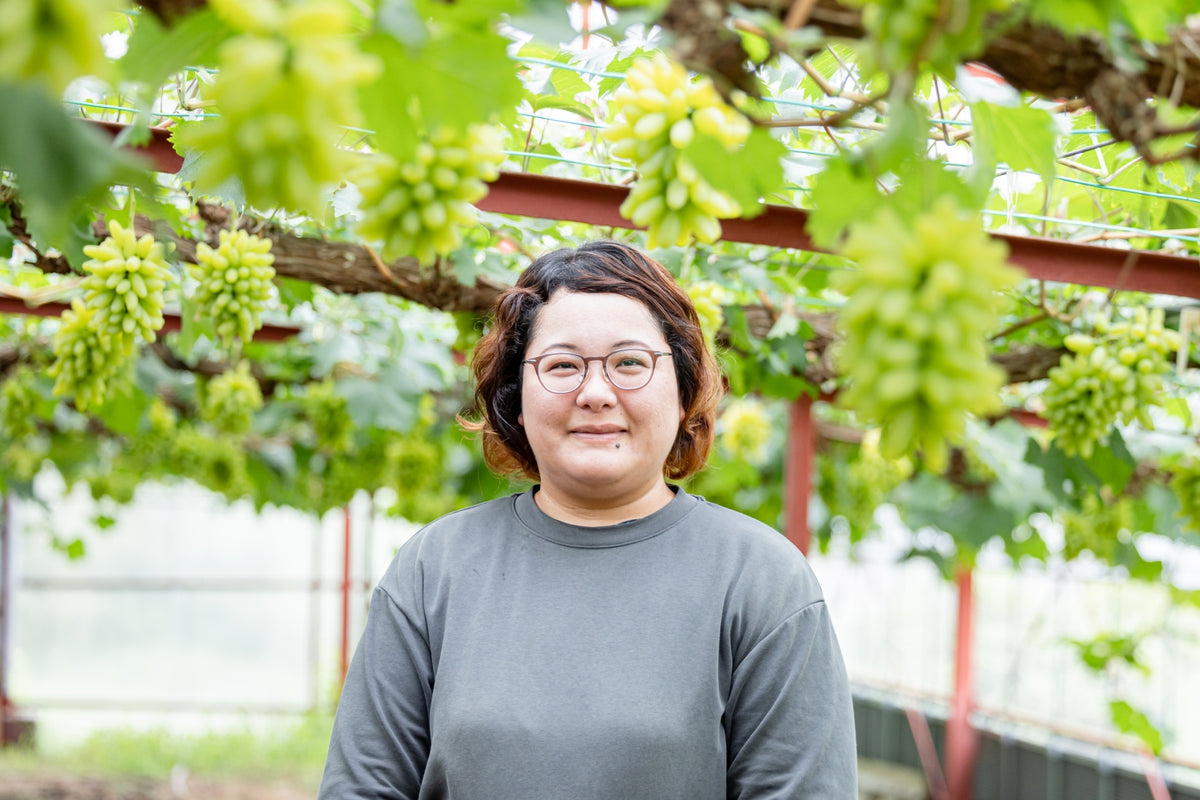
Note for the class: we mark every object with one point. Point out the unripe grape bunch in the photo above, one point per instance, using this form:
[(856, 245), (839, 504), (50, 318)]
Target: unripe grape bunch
[(419, 208), (124, 286), (85, 361), (1114, 375), (234, 283), (918, 311), (1185, 483), (49, 43), (659, 111), (231, 399), (708, 299), (19, 399), (745, 429)]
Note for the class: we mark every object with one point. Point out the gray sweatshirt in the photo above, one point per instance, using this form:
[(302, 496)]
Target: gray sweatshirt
[(510, 656)]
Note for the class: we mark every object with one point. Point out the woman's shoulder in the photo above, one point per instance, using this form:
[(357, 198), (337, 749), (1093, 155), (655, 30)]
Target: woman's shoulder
[(755, 553)]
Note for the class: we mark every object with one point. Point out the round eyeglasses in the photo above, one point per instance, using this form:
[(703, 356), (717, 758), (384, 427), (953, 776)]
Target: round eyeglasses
[(628, 368)]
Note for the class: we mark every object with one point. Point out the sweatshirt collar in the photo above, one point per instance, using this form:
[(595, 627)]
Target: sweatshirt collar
[(635, 530)]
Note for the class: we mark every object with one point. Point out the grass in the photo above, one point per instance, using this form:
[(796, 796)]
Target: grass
[(296, 753)]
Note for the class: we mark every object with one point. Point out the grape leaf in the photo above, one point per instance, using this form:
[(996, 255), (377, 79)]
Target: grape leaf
[(156, 52), (747, 174), (460, 76), (843, 192), (63, 167), (1022, 137), (1129, 720)]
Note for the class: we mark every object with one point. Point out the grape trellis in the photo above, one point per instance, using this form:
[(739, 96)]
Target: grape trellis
[(334, 158)]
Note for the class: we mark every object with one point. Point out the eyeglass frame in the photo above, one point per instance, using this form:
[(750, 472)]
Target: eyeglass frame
[(587, 367)]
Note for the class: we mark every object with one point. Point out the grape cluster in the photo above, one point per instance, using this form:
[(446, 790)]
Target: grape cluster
[(328, 416), (745, 430), (86, 362), (51, 42), (1114, 375), (234, 283), (231, 399), (285, 90), (215, 462), (659, 111), (124, 286), (853, 486), (1185, 483), (1096, 526), (419, 207), (415, 470), (708, 298), (19, 399), (918, 310)]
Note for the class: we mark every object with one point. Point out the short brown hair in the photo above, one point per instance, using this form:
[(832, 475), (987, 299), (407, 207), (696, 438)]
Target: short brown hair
[(598, 267)]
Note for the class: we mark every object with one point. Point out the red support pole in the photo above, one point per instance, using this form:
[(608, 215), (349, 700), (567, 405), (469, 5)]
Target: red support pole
[(797, 475), (6, 577), (345, 651), (962, 741)]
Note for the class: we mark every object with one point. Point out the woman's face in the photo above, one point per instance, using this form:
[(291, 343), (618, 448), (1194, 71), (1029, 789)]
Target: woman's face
[(599, 444)]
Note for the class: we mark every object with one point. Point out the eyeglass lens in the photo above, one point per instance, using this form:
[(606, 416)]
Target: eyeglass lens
[(626, 369)]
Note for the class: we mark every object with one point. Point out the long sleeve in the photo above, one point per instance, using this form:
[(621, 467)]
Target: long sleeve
[(380, 741), (790, 722)]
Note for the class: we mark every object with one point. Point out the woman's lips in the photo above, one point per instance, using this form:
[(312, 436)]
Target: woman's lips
[(600, 435)]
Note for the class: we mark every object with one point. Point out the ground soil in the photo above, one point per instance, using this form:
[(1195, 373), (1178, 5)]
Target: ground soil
[(73, 787)]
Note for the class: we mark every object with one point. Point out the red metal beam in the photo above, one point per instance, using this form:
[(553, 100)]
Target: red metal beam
[(158, 148), (526, 195), (171, 322)]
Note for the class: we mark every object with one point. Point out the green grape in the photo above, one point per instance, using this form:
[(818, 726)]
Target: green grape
[(744, 430), (20, 462), (419, 208), (19, 399), (161, 419), (86, 362), (658, 113), (1096, 526), (708, 298), (52, 42), (124, 286), (231, 398), (1185, 483), (1115, 375), (217, 463), (286, 90), (328, 416), (853, 485), (234, 283), (114, 483), (918, 311), (414, 472)]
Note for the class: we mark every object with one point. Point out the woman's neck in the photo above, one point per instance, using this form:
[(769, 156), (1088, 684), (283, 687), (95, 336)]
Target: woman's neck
[(593, 512)]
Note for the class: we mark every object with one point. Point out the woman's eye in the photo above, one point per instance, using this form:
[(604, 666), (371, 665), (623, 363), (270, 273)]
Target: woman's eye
[(562, 366)]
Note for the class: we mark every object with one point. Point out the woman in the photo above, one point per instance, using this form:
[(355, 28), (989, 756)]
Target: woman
[(604, 634)]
